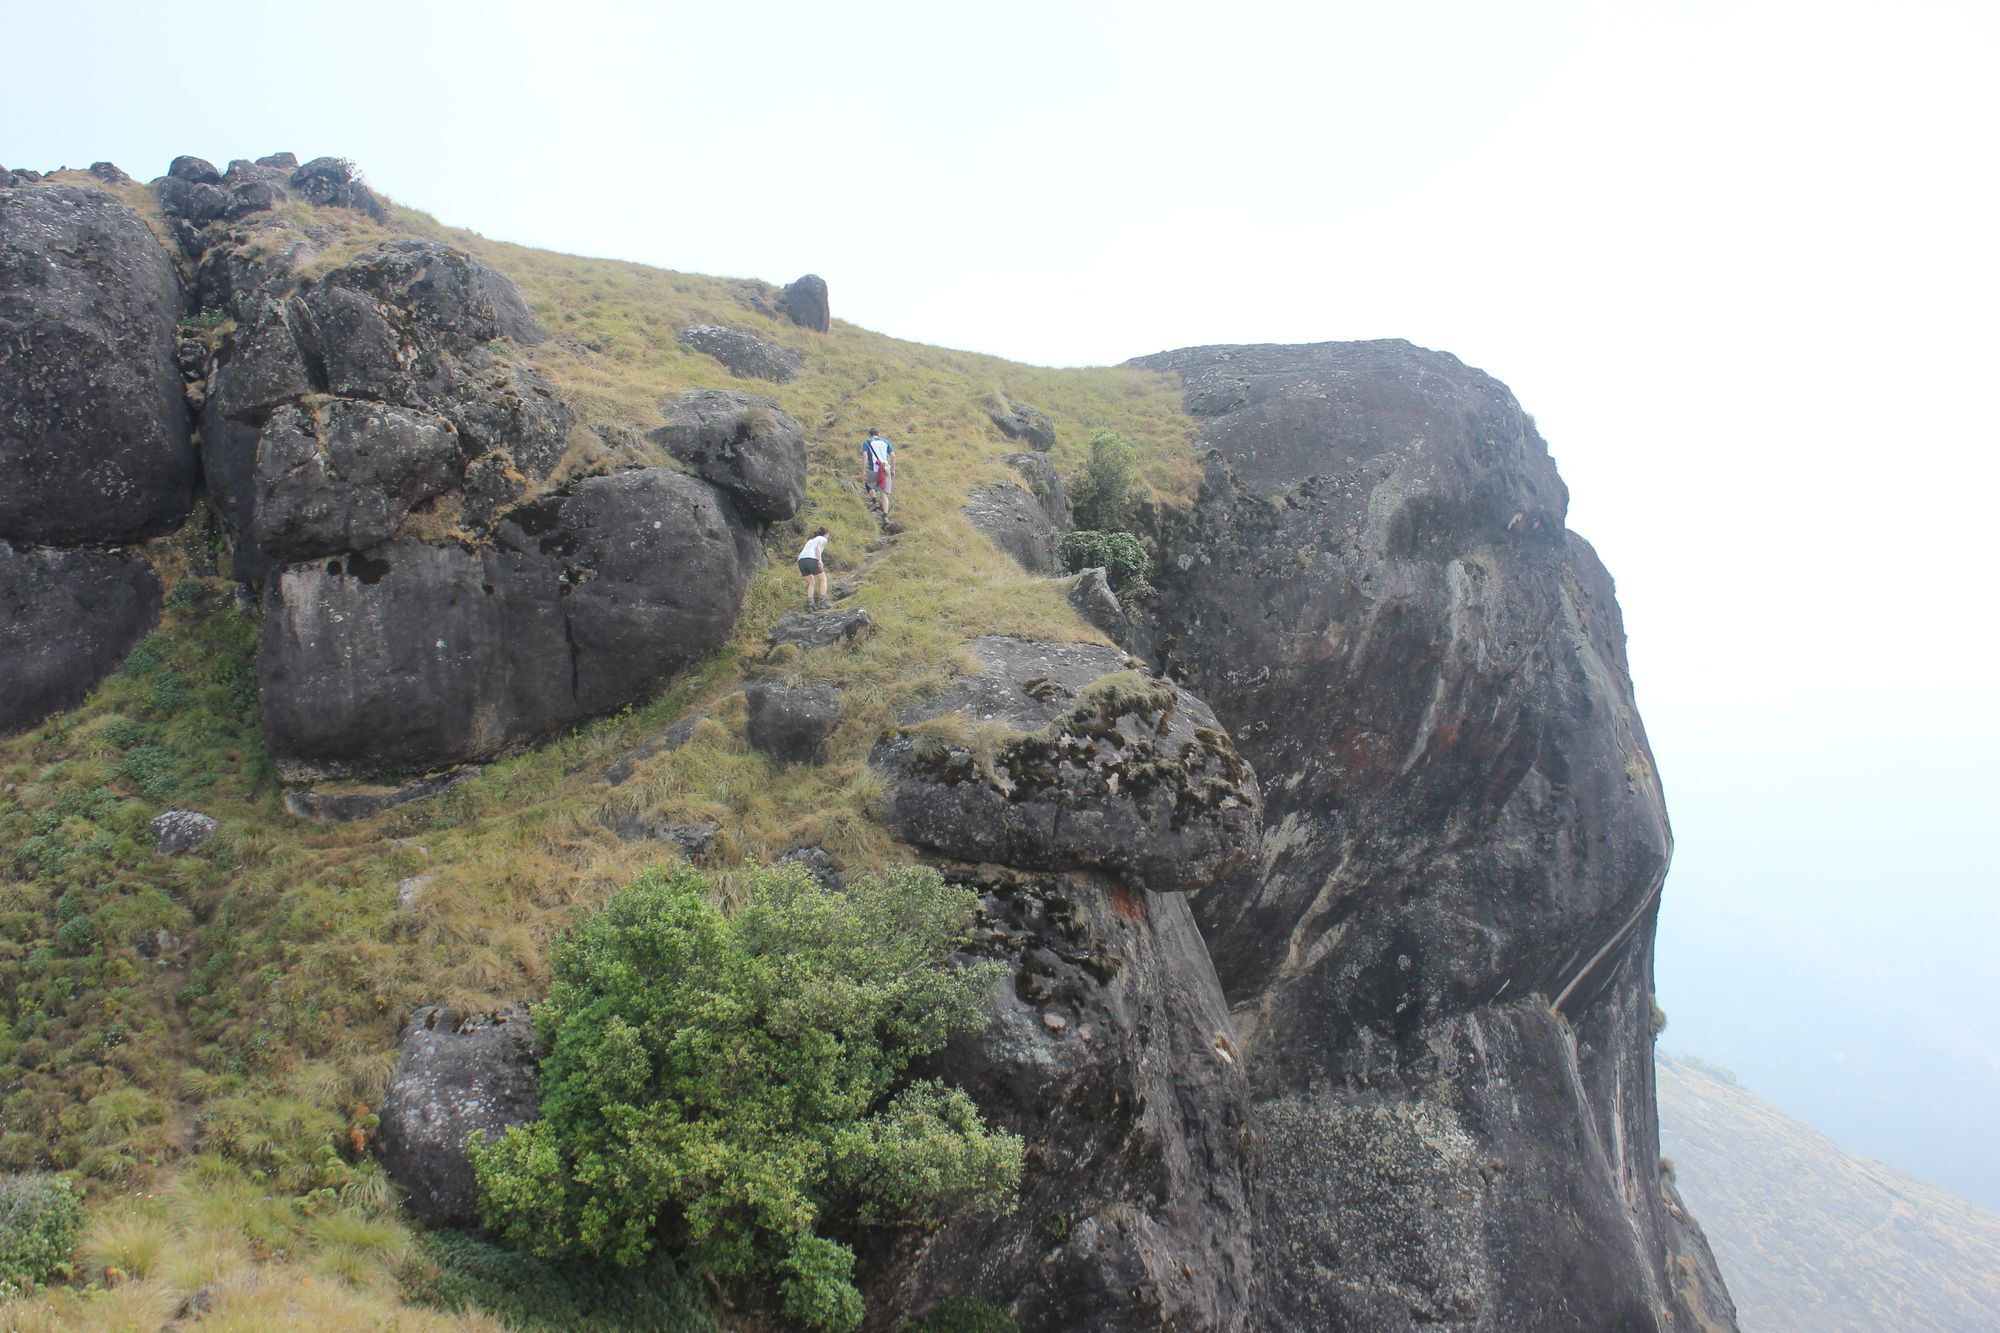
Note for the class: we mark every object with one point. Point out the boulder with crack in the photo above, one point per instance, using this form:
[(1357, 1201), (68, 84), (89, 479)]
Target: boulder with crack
[(1062, 757), (742, 443)]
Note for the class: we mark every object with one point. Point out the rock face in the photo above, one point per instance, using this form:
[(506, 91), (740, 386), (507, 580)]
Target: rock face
[(1089, 591), (822, 629), (1059, 757), (743, 354), (344, 474), (1109, 1052), (1030, 425), (744, 444), (408, 657), (454, 1076), (1015, 523), (805, 304), (93, 424), (1441, 972), (67, 619), (1046, 486)]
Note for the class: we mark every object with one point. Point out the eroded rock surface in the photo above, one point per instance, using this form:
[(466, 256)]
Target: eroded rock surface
[(742, 443), (1109, 1053), (93, 423), (743, 354), (454, 1075), (1464, 832), (1010, 516), (1061, 757), (1030, 425), (67, 619)]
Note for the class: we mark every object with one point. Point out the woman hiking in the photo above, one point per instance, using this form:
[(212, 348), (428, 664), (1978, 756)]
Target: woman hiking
[(812, 564)]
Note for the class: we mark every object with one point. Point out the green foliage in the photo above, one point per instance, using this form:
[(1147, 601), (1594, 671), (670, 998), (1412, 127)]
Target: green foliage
[(1119, 554), (1106, 489), (727, 1084), (41, 1219), (964, 1314), (465, 1273)]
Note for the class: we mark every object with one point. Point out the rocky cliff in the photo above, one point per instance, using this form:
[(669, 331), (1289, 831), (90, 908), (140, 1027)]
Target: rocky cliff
[(1324, 878)]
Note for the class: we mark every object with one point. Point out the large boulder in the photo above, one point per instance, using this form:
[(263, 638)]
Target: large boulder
[(791, 723), (67, 619), (342, 475), (805, 303), (1045, 484), (331, 183), (93, 421), (744, 444), (1015, 522), (1062, 757), (454, 1075), (409, 657), (743, 354), (1441, 970), (1107, 1049), (459, 300), (1030, 425)]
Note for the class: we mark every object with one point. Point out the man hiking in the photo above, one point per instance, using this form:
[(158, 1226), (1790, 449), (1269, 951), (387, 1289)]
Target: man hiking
[(812, 564), (878, 468)]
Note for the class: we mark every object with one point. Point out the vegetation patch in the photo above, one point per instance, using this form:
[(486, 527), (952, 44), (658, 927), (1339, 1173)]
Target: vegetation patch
[(729, 1085), (41, 1219)]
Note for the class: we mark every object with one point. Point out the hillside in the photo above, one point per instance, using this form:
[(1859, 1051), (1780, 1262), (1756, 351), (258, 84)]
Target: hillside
[(1812, 1238), (450, 585)]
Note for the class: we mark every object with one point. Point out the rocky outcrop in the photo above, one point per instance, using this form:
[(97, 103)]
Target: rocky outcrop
[(743, 354), (742, 443), (1010, 517), (408, 656), (93, 424), (805, 303), (1109, 1052), (1030, 425), (343, 474), (792, 723), (67, 619), (454, 1075), (1061, 757), (348, 802), (822, 629), (1089, 591), (331, 183), (1441, 972), (1045, 484)]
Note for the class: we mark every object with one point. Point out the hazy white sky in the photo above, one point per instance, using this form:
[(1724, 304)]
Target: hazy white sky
[(1738, 258)]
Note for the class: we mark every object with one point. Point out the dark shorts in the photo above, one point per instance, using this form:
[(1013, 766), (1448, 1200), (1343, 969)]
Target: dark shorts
[(808, 566)]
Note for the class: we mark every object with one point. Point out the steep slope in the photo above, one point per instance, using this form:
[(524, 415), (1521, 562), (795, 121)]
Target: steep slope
[(1813, 1238)]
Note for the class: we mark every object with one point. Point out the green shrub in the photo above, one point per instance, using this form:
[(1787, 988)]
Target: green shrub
[(41, 1220), (464, 1272), (153, 769), (1105, 490), (727, 1085), (965, 1314), (1123, 560)]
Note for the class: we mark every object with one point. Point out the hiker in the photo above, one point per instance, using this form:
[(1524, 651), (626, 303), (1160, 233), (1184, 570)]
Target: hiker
[(812, 564), (878, 467)]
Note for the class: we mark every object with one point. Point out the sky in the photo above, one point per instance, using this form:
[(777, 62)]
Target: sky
[(1739, 259)]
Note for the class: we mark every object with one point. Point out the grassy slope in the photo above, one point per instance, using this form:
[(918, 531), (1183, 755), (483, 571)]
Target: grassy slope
[(215, 1099), (1811, 1238)]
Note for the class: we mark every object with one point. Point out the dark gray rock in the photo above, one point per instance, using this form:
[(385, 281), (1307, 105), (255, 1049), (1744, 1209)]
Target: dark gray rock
[(1089, 765), (250, 197), (194, 170), (454, 1076), (822, 629), (459, 300), (194, 202), (261, 370), (282, 161), (67, 619), (342, 475), (1030, 425), (491, 484), (805, 303), (1015, 523), (179, 831), (1109, 1052), (819, 863), (695, 841), (1089, 591), (791, 723), (407, 657), (93, 421), (1039, 472), (1441, 970), (744, 444), (743, 354), (109, 173), (329, 806), (330, 183)]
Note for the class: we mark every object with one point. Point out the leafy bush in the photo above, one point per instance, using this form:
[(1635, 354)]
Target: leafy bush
[(1105, 491), (728, 1084), (41, 1219), (1123, 560)]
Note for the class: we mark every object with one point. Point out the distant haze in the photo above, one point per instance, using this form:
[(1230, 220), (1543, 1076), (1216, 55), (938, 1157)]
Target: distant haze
[(1738, 258)]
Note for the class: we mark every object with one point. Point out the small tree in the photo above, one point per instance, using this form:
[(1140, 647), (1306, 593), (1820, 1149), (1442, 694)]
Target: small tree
[(41, 1219), (727, 1084), (1105, 490), (1119, 554)]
